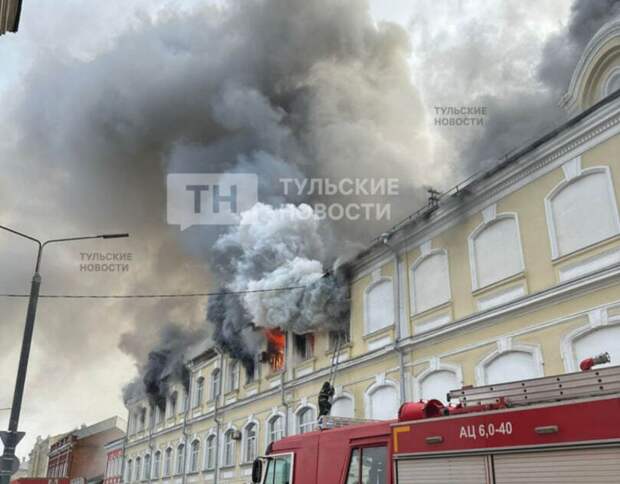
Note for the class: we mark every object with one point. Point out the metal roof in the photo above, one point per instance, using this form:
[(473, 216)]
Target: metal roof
[(10, 11)]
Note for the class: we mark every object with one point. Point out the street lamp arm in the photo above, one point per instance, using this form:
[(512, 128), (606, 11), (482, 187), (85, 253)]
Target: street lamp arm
[(36, 241)]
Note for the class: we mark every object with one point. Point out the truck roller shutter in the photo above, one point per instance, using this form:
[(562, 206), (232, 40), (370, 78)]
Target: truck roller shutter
[(445, 470), (600, 466)]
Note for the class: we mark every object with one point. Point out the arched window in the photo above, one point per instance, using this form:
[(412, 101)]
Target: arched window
[(232, 376), (215, 384), (138, 468), (180, 459), (582, 209), (200, 390), (228, 457), (210, 452), (147, 467), (612, 84), (600, 335), (495, 249), (379, 305), (194, 456), (250, 437), (129, 476), (168, 462), (437, 384), (431, 281), (382, 401), (342, 407), (142, 418), (305, 420), (510, 363), (275, 428), (157, 465)]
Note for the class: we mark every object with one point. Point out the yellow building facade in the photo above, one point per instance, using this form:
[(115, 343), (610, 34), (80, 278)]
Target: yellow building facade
[(514, 275)]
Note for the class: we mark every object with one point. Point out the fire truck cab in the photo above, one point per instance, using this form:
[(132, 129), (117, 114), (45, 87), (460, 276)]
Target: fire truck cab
[(551, 430)]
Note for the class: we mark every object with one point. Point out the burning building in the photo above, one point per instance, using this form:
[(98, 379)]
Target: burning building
[(510, 276)]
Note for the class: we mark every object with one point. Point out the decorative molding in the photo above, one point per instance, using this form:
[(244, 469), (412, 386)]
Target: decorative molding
[(489, 213), (551, 225), (376, 275), (501, 297), (376, 281), (374, 344), (572, 168), (506, 346), (380, 382), (434, 365), (432, 323), (415, 265), (425, 248), (589, 265), (471, 243)]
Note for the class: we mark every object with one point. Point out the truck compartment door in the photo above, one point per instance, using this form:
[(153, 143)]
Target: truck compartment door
[(601, 465), (445, 470)]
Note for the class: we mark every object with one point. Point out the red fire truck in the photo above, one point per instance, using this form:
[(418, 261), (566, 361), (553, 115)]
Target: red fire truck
[(551, 430)]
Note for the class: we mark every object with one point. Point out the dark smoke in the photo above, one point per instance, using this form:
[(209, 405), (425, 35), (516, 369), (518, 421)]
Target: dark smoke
[(165, 364)]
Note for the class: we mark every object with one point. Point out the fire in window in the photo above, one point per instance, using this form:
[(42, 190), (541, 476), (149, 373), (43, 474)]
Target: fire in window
[(276, 342)]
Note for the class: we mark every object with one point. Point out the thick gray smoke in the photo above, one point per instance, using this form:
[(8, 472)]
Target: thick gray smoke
[(166, 363), (275, 248)]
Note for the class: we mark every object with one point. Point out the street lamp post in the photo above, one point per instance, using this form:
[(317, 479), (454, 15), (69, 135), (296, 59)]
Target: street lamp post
[(11, 438)]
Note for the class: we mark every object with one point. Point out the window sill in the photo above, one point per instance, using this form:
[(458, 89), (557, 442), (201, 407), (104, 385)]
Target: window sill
[(584, 250), (228, 466), (497, 284), (206, 471), (347, 346), (379, 332), (427, 312)]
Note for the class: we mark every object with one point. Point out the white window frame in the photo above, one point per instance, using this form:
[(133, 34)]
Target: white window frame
[(199, 391), (305, 406), (194, 459), (377, 280), (504, 346), (415, 265), (435, 365), (210, 450), (215, 384), (572, 174), (233, 448), (597, 319), (490, 217), (246, 458), (607, 84), (342, 395), (380, 382), (232, 376), (168, 462), (179, 459), (275, 414), (156, 471)]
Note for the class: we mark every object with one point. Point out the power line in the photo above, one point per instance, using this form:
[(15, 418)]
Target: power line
[(152, 296)]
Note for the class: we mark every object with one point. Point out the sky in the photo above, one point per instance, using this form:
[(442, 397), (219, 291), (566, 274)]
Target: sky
[(73, 80)]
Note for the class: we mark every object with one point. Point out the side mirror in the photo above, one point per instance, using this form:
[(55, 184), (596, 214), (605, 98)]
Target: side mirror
[(257, 471)]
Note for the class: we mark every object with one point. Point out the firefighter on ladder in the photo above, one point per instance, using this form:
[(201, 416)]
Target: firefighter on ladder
[(326, 395)]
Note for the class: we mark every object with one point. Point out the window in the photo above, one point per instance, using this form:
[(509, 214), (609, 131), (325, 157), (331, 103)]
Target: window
[(142, 418), (437, 384), (379, 305), (511, 366), (228, 457), (495, 250), (275, 428), (173, 404), (304, 346), (129, 476), (157, 465), (250, 449), (342, 407), (215, 384), (279, 470), (138, 468), (194, 456), (368, 466), (383, 402), (595, 342), (161, 412), (305, 420), (582, 209), (147, 467), (232, 377), (168, 462), (430, 281), (180, 459), (210, 453), (200, 390)]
